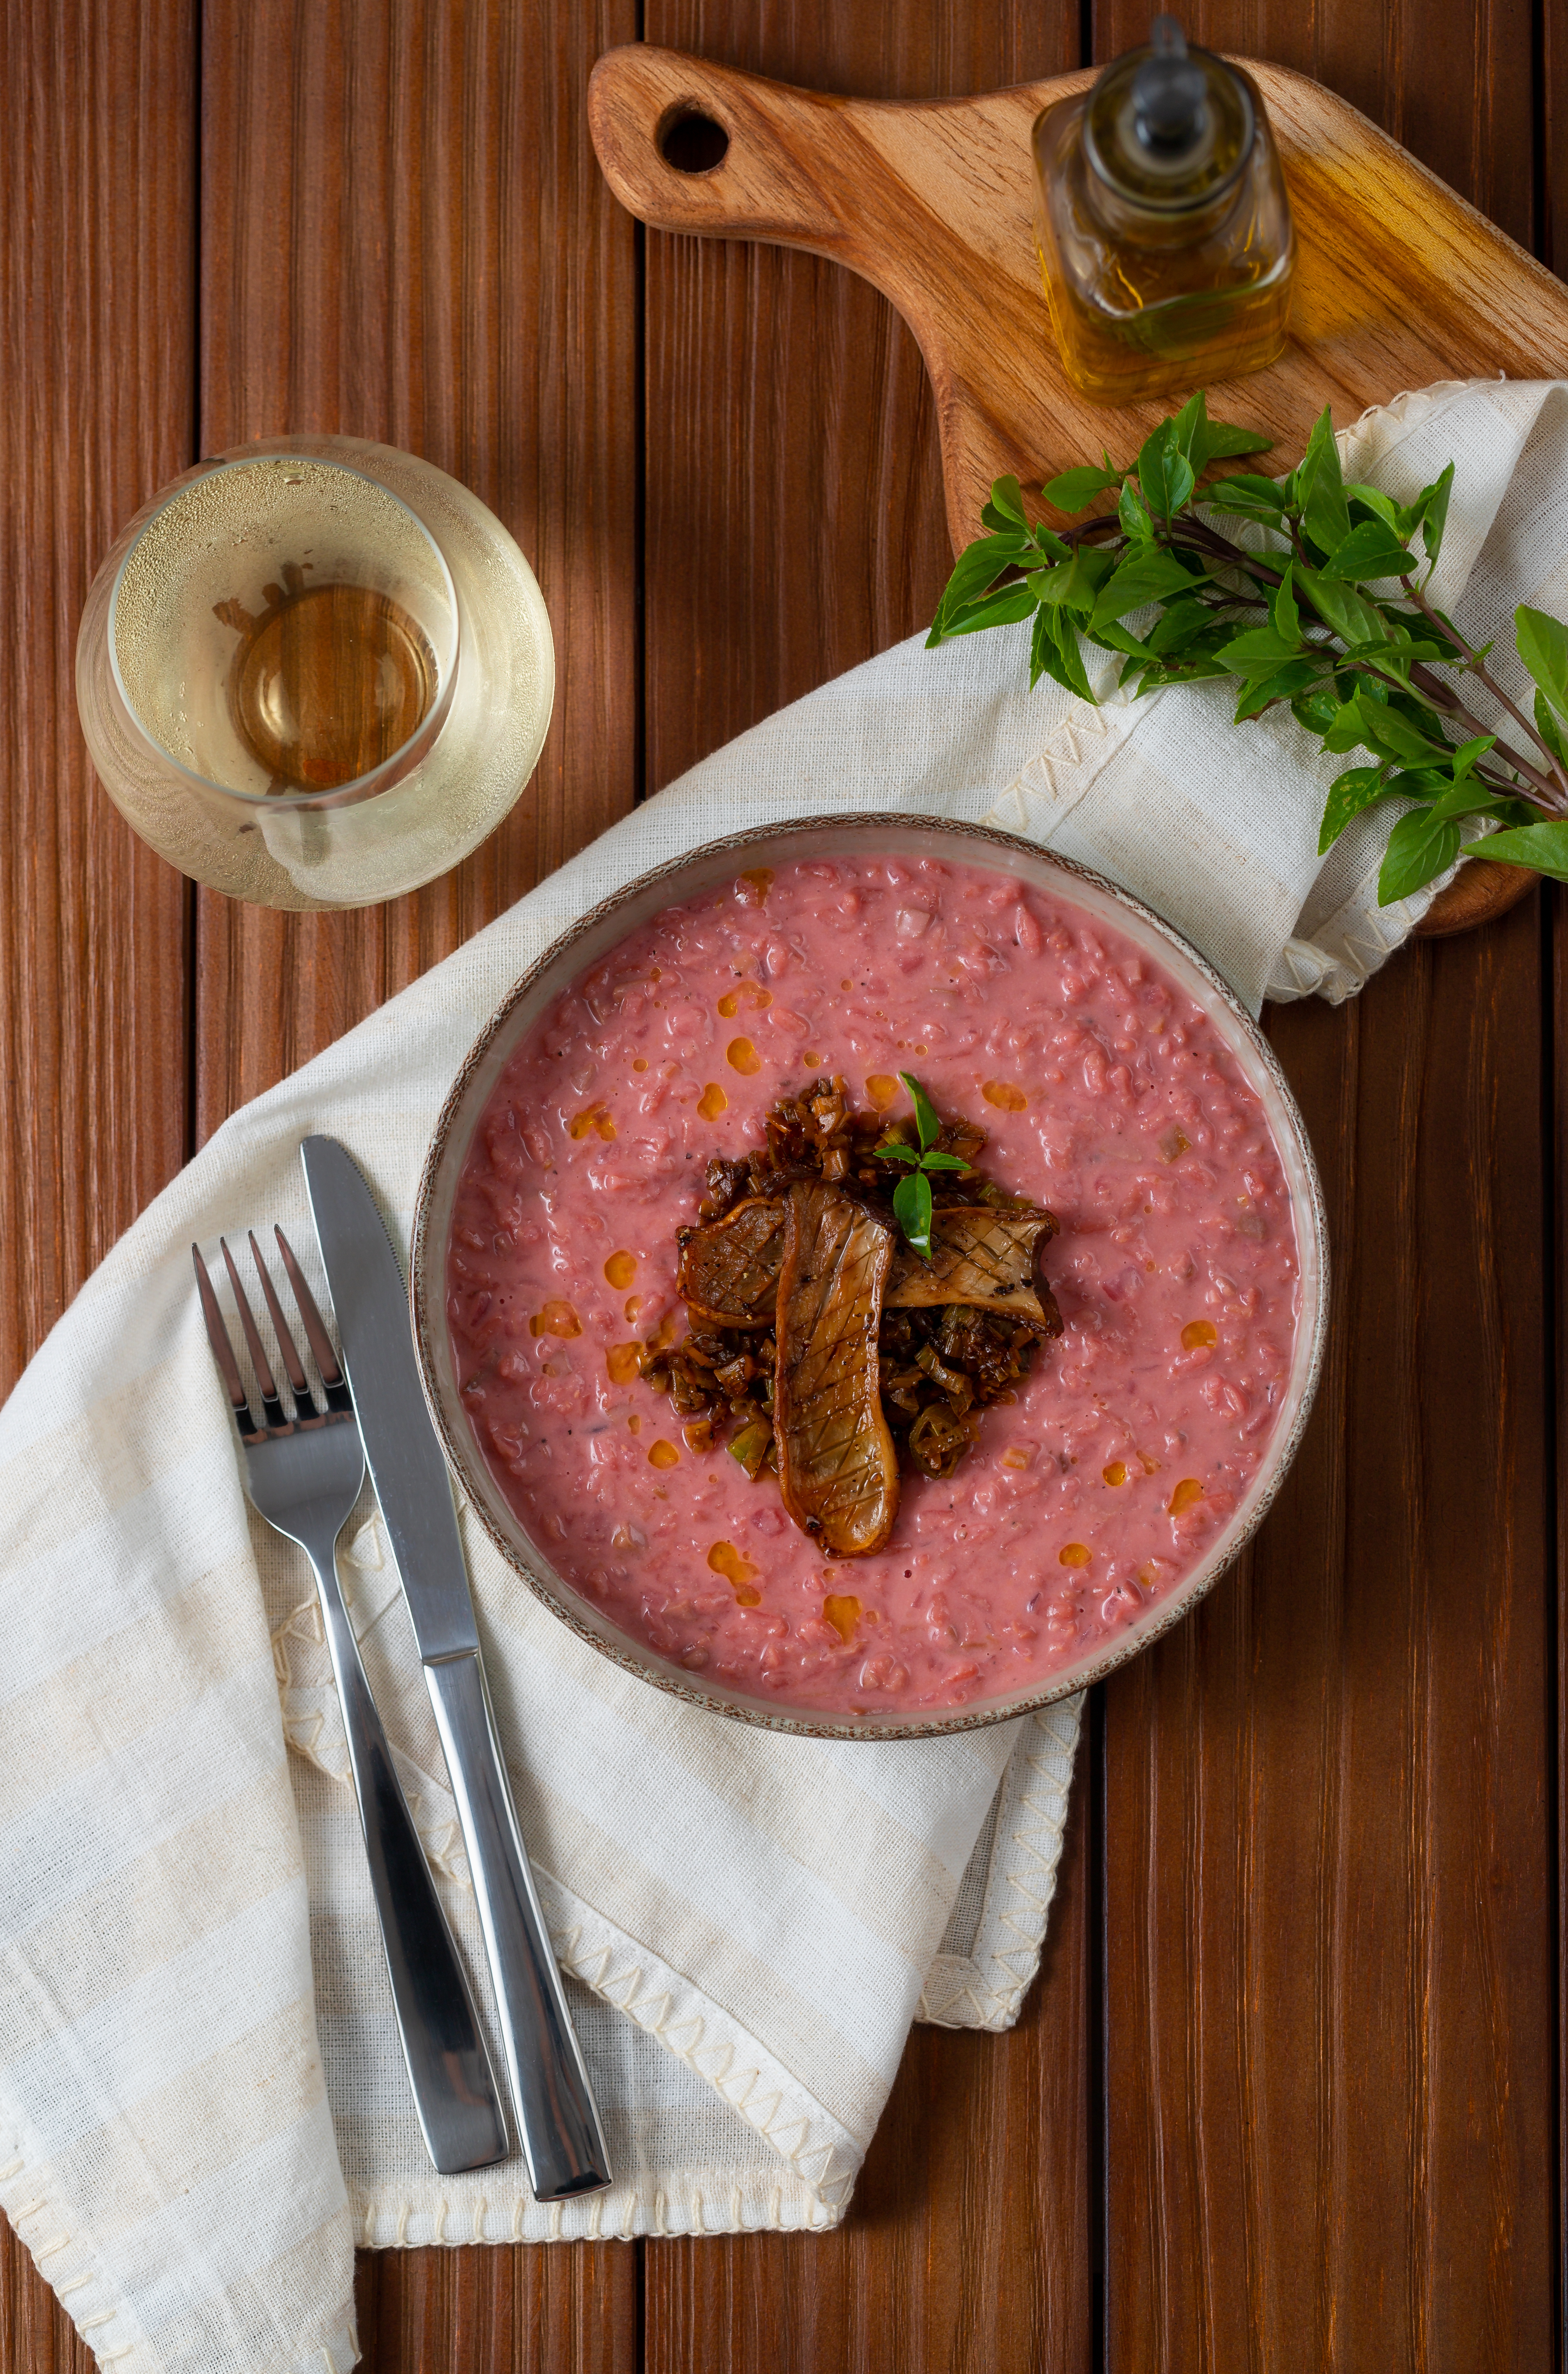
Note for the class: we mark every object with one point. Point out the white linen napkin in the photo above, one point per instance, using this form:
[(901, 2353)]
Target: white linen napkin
[(202, 2103)]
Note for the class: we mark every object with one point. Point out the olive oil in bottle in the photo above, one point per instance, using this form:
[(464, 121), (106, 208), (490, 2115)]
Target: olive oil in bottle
[(1161, 223)]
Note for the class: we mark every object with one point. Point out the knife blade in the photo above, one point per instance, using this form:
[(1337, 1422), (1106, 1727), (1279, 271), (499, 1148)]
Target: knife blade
[(562, 2138)]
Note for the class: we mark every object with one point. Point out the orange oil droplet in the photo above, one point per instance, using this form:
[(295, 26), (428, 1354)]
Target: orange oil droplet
[(758, 882), (738, 1572), (640, 1063), (1115, 1472), (743, 1057), (1003, 1094), (662, 1454), (845, 983), (635, 1423), (1188, 1490), (664, 1333), (1074, 1554), (712, 1101), (556, 1319), (882, 1088), (623, 1362), (634, 1304), (843, 1614), (621, 1268), (921, 1048), (745, 992), (593, 1117), (811, 1056), (1197, 1333)]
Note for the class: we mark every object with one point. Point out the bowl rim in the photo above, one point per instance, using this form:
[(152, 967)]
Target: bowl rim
[(979, 844)]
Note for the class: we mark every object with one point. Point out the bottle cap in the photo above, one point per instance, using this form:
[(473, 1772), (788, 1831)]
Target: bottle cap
[(1168, 127)]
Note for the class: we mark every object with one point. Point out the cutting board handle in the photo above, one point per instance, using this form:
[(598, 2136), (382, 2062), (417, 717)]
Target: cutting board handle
[(687, 146)]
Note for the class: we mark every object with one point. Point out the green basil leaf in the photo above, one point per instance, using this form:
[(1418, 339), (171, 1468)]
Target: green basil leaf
[(937, 1160), (1151, 576), (1252, 498), (1543, 647), (1224, 442), (1363, 787), (926, 1121), (1382, 506), (1259, 650), (1282, 610), (891, 1151), (1466, 799), (1003, 608), (1345, 731), (1042, 648), (1339, 607), (1007, 496), (1189, 431), (1164, 474), (1261, 692), (1316, 710), (1175, 628), (912, 1209), (1133, 514), (1320, 489), (1064, 661), (1542, 846), (1393, 735), (1550, 728), (1054, 546), (1370, 550), (1467, 754), (1113, 638), (1076, 489), (1435, 511), (1420, 848), (977, 567)]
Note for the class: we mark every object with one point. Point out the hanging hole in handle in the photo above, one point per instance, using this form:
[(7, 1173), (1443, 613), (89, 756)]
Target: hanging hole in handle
[(692, 142)]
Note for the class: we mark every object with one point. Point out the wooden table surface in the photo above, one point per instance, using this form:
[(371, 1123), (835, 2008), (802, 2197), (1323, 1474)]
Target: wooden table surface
[(1288, 2092)]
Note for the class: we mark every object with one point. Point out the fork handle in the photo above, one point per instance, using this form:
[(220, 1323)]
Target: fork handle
[(562, 2139), (448, 2069)]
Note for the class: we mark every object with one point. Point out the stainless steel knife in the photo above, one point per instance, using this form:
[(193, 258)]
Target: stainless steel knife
[(562, 2138)]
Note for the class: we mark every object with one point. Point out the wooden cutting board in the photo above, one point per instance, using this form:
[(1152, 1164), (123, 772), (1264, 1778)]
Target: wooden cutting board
[(1397, 283)]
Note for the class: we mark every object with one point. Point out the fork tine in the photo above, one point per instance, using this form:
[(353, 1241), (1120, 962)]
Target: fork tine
[(272, 1403), (222, 1350), (315, 1327), (304, 1400)]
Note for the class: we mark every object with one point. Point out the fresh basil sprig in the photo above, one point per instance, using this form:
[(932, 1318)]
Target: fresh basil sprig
[(912, 1196), (1325, 610)]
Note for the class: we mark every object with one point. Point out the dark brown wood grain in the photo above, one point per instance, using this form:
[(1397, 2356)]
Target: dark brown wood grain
[(967, 2247), (567, 2307), (97, 198), (96, 224), (405, 236), (1328, 1853)]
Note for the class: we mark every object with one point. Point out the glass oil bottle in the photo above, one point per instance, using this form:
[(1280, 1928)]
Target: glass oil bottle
[(1163, 226)]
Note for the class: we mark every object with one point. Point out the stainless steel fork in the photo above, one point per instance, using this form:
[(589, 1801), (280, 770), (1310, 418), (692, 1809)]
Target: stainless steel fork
[(304, 1475)]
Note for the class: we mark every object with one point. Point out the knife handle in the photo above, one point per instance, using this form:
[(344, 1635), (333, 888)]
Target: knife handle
[(562, 2139), (448, 2068)]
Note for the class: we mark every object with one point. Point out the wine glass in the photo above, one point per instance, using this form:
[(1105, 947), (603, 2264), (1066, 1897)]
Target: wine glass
[(314, 672)]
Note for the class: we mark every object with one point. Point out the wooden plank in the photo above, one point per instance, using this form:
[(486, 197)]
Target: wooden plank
[(96, 310), (566, 2307), (96, 200), (1330, 1960), (1329, 1967), (406, 235), (795, 526), (967, 2245)]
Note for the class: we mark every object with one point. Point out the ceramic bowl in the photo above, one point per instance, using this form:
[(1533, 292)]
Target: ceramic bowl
[(910, 837)]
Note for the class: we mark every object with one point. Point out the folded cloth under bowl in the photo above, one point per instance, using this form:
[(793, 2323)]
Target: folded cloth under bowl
[(203, 2107)]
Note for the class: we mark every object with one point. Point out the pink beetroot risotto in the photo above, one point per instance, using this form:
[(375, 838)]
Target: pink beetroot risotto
[(1107, 1096)]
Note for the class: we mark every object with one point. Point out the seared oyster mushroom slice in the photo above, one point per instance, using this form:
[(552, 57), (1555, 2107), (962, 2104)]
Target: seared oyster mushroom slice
[(729, 1268), (838, 1468), (982, 1256)]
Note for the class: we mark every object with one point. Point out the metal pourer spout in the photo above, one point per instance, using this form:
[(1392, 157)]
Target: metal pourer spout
[(1169, 95)]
